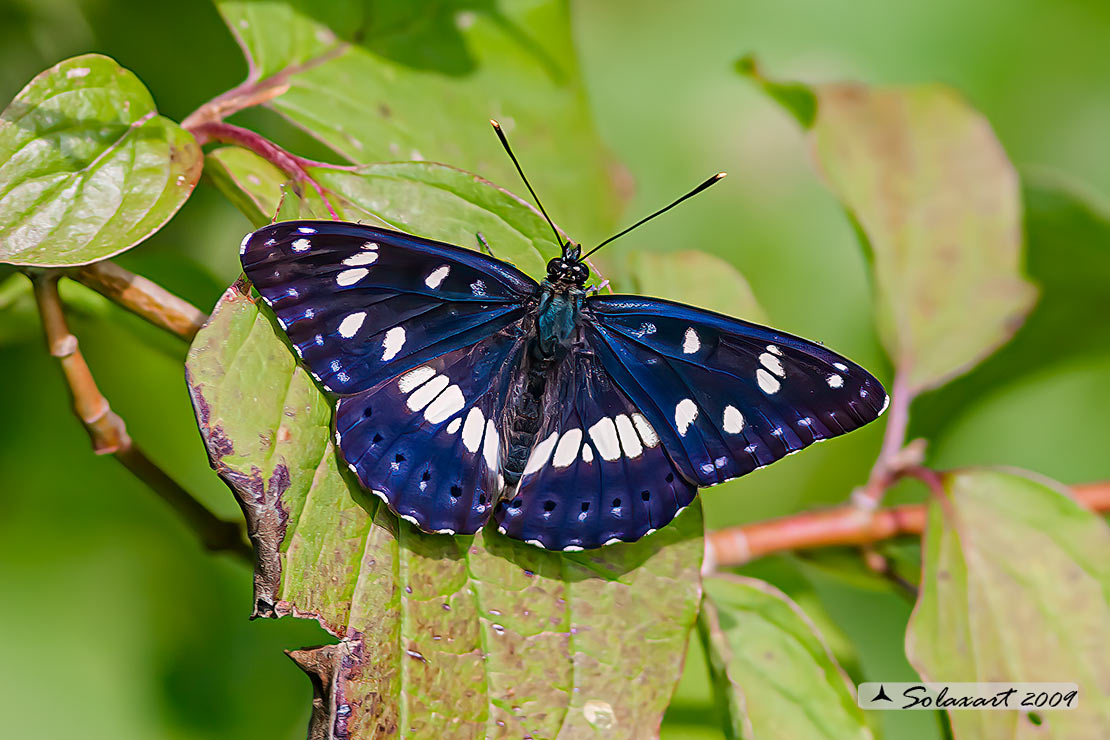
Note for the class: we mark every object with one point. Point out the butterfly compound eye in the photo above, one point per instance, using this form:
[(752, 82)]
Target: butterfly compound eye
[(580, 273)]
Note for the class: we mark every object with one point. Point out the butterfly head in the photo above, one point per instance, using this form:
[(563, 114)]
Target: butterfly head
[(569, 269)]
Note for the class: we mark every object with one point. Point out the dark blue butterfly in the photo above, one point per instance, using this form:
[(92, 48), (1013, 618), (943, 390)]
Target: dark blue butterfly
[(467, 390)]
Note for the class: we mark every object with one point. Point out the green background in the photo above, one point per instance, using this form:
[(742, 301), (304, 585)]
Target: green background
[(115, 623)]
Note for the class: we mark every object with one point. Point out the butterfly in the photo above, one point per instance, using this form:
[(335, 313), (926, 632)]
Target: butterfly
[(465, 390)]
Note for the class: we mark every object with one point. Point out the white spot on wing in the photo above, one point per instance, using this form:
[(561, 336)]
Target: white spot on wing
[(841, 367), (490, 445), (351, 324), (604, 435), (352, 276), (587, 453), (361, 258), (454, 425), (691, 343), (242, 244), (774, 350), (449, 403), (647, 432), (767, 383), (472, 429), (391, 345), (306, 230), (567, 450), (772, 363), (835, 381), (684, 414), (437, 276), (410, 380), (733, 420), (630, 443), (426, 393), (301, 245), (370, 245), (541, 453)]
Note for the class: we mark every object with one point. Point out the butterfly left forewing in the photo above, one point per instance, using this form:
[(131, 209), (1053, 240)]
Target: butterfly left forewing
[(727, 396)]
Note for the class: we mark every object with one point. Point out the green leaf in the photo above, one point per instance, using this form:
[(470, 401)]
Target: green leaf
[(421, 198), (700, 279), (252, 184), (395, 80), (938, 207), (1015, 587), (89, 168), (773, 671), (799, 100), (450, 636)]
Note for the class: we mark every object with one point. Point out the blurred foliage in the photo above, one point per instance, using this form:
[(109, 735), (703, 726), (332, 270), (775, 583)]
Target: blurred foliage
[(104, 585)]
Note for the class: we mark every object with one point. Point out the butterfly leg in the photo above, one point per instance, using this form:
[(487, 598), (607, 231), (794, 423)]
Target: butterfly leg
[(599, 287), (483, 244)]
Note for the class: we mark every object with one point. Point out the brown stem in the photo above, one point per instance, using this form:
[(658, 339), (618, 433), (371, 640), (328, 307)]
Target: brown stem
[(142, 297), (888, 463), (108, 432), (842, 526), (294, 166)]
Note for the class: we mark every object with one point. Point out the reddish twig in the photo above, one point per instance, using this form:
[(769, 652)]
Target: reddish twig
[(891, 459), (292, 165), (842, 526), (142, 297), (108, 433), (255, 90)]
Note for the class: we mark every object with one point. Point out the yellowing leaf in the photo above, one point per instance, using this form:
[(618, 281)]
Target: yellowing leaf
[(938, 207)]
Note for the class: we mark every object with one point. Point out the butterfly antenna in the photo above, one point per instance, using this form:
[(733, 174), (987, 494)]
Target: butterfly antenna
[(711, 181), (508, 149)]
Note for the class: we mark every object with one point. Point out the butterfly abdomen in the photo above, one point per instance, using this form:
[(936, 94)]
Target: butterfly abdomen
[(525, 415)]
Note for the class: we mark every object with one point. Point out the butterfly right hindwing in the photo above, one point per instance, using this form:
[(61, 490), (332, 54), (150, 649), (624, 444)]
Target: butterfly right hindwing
[(428, 441)]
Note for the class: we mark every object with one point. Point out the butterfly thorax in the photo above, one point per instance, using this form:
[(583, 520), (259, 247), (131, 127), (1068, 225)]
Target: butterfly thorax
[(557, 315)]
